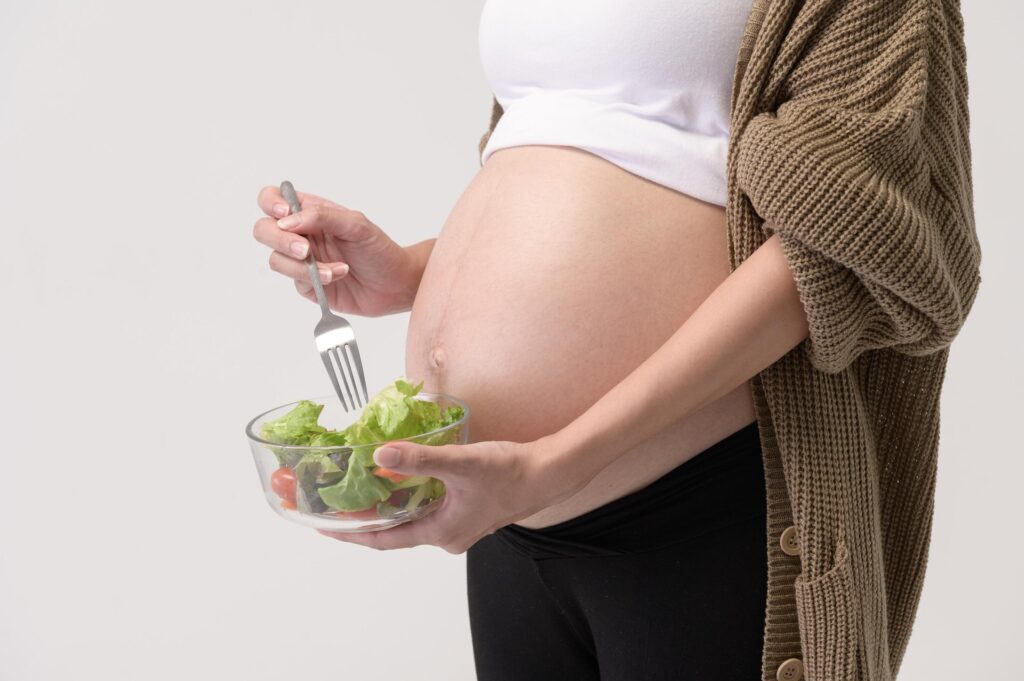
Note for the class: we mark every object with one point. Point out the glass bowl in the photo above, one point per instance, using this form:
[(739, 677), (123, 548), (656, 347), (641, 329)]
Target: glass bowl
[(292, 477)]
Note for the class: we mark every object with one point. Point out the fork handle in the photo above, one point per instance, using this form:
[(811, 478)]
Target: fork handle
[(288, 192)]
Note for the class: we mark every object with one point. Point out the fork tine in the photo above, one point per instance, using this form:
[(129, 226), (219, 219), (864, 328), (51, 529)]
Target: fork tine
[(334, 379), (337, 352), (351, 373), (359, 367)]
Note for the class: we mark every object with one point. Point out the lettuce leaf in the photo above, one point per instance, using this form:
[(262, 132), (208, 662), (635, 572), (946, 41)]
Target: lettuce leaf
[(359, 489), (394, 414), (315, 470), (342, 479), (298, 427), (329, 438)]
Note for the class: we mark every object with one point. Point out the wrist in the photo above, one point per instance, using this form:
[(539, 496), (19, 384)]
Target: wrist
[(561, 465), (416, 257)]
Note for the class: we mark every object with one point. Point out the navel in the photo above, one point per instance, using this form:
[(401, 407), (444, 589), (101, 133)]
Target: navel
[(437, 358)]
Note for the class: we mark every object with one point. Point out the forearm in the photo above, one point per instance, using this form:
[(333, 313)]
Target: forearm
[(419, 254), (749, 321)]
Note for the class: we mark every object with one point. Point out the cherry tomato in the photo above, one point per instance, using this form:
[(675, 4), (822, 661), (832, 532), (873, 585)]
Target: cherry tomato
[(283, 483), (288, 504)]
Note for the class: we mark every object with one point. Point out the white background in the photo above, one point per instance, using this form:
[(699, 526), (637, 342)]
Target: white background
[(142, 328)]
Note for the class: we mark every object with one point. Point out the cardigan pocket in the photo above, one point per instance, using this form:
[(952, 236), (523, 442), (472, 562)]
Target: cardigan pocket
[(826, 610)]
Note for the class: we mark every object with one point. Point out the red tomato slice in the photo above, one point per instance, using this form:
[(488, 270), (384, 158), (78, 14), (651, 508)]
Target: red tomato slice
[(283, 482), (393, 476)]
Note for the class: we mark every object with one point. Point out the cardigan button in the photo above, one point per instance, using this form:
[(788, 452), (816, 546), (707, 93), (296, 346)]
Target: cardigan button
[(787, 540), (790, 670)]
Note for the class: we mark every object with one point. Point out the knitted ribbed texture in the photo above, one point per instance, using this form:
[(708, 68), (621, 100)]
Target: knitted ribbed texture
[(849, 138)]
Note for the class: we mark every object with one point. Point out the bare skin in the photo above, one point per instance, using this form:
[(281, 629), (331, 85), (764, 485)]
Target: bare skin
[(586, 314), (557, 274)]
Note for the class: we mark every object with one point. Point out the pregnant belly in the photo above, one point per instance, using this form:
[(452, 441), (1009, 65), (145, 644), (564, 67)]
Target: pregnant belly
[(556, 274)]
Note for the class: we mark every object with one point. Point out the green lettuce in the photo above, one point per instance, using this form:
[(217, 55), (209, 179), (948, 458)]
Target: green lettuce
[(315, 470), (343, 479), (329, 438), (359, 489), (395, 414), (298, 427)]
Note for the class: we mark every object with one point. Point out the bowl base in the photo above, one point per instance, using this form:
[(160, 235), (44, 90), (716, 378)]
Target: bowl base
[(321, 521)]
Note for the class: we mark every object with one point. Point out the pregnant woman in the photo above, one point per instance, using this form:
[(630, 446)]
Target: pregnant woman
[(700, 297)]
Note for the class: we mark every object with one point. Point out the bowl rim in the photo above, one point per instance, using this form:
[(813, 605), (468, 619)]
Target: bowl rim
[(327, 398)]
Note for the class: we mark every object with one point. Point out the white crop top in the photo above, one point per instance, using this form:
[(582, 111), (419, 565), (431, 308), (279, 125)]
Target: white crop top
[(645, 84)]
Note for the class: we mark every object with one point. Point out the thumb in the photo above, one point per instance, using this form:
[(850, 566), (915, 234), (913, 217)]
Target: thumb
[(411, 458)]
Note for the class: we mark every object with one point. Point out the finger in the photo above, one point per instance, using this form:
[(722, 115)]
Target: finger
[(397, 538), (299, 270), (341, 223), (416, 533), (268, 233), (444, 462), (305, 290), (272, 203)]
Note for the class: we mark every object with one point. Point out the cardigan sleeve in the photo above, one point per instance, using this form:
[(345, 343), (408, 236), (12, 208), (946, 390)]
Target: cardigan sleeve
[(863, 170)]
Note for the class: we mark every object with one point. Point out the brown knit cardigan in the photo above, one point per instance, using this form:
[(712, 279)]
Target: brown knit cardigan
[(849, 139)]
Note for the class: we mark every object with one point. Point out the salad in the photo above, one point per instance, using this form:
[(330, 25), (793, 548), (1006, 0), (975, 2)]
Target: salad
[(341, 479)]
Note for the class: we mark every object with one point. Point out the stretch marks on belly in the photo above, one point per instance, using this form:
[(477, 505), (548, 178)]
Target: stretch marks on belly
[(436, 357)]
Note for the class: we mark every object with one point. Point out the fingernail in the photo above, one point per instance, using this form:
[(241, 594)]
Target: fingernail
[(387, 457), (340, 270), (298, 248), (325, 276), (280, 210), (289, 222)]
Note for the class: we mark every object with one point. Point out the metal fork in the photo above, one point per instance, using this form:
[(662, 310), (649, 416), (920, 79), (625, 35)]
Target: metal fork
[(333, 334)]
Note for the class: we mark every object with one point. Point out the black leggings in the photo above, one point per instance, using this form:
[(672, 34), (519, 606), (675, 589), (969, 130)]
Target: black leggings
[(666, 583)]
